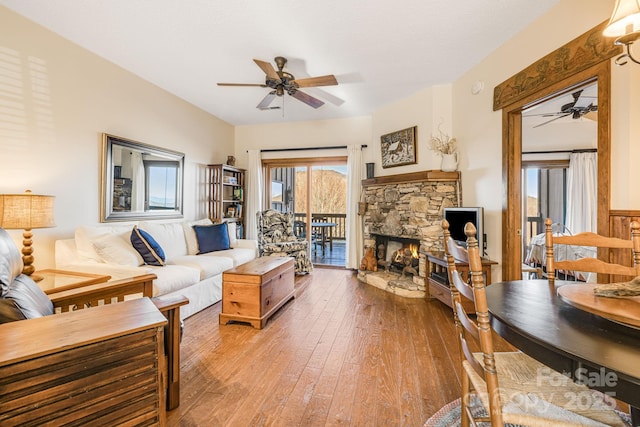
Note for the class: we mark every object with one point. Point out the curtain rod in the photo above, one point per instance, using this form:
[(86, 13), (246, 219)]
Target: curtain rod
[(270, 150), (578, 150)]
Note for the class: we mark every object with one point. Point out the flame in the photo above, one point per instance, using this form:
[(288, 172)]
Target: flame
[(414, 250)]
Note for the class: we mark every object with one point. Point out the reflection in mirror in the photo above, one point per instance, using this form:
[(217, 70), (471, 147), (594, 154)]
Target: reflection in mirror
[(559, 165), (139, 181)]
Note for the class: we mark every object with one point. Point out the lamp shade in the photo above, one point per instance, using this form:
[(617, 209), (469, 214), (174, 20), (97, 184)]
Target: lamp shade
[(625, 19), (26, 211)]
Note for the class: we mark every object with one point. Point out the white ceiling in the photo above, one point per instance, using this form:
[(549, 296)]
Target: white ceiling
[(379, 50)]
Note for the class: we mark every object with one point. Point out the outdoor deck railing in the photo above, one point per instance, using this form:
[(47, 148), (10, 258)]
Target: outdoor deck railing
[(338, 232)]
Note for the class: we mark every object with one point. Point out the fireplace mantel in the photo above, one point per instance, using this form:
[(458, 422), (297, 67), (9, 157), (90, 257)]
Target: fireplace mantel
[(431, 175)]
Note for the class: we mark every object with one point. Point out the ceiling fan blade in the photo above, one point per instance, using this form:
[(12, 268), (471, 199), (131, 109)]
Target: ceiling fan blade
[(242, 84), (307, 99), (552, 120), (264, 104), (268, 69), (328, 80)]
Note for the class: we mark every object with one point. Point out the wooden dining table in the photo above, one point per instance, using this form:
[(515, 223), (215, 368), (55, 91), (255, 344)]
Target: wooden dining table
[(589, 348)]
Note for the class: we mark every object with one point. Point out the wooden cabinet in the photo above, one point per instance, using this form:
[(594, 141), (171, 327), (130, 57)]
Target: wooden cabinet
[(254, 291), (225, 195), (439, 280)]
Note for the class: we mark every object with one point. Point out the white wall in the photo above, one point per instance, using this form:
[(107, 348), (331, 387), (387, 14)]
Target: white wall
[(427, 110), (56, 99)]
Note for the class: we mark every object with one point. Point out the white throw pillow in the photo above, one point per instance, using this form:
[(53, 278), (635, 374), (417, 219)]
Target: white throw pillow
[(115, 249), (190, 235), (231, 226), (84, 236)]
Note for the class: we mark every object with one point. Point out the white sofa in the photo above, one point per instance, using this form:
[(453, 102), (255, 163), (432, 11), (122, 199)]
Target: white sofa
[(107, 249)]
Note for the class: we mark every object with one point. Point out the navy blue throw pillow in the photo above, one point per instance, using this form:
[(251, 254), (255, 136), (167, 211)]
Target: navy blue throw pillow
[(147, 247), (212, 237)]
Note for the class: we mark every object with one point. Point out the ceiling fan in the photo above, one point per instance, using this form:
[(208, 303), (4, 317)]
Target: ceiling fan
[(282, 81), (580, 106)]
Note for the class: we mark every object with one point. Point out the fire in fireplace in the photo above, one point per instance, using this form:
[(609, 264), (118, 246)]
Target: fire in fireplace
[(398, 254)]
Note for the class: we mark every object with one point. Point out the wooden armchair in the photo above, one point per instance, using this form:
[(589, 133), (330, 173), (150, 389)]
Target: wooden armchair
[(607, 271), (118, 291), (102, 366), (21, 299), (511, 386)]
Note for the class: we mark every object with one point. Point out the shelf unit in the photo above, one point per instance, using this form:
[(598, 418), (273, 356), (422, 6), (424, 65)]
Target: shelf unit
[(226, 195), (439, 279)]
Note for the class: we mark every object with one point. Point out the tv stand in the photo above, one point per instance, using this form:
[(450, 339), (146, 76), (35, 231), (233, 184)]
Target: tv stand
[(438, 279)]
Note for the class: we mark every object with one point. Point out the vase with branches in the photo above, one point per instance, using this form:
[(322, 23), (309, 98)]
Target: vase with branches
[(447, 148)]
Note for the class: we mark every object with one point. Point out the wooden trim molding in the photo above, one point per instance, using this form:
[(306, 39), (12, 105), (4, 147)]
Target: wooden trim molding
[(579, 54), (531, 86), (431, 175)]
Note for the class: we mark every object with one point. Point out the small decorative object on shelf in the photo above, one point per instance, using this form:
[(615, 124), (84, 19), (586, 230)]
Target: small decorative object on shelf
[(446, 147), (230, 180), (231, 160)]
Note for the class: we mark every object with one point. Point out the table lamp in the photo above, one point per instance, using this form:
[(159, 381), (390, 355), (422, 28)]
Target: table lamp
[(25, 212)]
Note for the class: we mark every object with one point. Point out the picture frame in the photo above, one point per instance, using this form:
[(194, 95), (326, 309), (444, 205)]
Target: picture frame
[(399, 148)]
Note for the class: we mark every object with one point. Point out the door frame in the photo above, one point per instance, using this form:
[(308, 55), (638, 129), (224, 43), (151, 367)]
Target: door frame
[(512, 160)]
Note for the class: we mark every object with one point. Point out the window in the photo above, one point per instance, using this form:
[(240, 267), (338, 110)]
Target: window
[(161, 191)]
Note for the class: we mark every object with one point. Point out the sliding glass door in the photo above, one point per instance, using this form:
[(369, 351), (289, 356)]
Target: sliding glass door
[(315, 190)]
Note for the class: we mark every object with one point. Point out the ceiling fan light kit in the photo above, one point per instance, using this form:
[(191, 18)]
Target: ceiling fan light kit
[(625, 25), (282, 82)]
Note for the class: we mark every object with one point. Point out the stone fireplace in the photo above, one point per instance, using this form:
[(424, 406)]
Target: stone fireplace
[(401, 222)]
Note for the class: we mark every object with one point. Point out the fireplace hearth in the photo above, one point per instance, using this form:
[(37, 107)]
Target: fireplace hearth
[(402, 222)]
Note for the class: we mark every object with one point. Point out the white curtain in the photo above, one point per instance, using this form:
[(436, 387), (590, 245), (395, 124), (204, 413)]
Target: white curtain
[(353, 226), (138, 185), (582, 191), (253, 193)]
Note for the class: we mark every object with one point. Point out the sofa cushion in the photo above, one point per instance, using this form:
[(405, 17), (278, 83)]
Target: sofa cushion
[(114, 249), (23, 299), (190, 235), (171, 278), (85, 235), (238, 255), (233, 233), (212, 237), (206, 265), (148, 248), (169, 235)]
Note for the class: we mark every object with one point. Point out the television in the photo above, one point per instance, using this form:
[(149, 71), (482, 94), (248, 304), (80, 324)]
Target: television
[(459, 217)]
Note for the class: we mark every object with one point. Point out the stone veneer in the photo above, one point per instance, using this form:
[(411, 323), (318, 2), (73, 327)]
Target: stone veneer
[(407, 206)]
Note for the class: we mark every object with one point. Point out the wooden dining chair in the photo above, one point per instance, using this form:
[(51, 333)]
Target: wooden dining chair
[(512, 387), (578, 248)]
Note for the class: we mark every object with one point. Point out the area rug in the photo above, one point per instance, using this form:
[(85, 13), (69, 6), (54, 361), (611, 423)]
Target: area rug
[(449, 415)]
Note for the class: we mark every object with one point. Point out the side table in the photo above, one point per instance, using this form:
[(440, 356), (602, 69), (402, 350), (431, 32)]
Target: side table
[(61, 280), (438, 279)]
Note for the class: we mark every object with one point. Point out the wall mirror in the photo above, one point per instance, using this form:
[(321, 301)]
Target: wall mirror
[(139, 181)]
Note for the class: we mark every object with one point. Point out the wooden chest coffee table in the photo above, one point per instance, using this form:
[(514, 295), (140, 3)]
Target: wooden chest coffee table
[(252, 292)]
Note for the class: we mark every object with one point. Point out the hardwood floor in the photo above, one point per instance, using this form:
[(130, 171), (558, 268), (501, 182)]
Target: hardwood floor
[(341, 353)]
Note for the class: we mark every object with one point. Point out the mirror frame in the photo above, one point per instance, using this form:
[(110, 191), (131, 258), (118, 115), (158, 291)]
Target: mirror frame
[(107, 213)]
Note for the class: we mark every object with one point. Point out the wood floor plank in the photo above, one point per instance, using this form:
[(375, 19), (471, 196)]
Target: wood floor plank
[(342, 353)]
